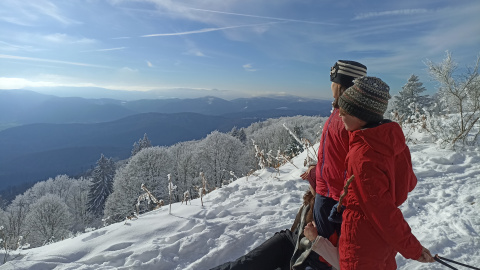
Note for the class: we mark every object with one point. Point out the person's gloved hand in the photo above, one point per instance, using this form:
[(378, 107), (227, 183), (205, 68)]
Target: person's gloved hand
[(335, 216)]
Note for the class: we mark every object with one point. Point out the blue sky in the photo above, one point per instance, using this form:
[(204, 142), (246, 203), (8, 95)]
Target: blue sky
[(238, 47)]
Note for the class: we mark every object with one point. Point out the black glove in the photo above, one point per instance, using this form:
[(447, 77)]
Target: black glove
[(335, 216)]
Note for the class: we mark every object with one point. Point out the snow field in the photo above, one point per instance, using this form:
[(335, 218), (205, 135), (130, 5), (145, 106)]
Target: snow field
[(443, 212)]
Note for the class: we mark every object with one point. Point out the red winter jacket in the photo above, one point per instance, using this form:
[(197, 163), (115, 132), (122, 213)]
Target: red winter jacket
[(328, 176), (373, 228)]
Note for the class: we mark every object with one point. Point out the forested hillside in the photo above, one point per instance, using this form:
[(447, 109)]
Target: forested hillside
[(220, 158)]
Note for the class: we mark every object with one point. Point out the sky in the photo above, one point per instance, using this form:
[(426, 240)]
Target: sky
[(237, 47), (442, 212)]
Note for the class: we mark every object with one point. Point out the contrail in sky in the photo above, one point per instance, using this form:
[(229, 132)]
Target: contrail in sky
[(47, 60), (205, 30), (261, 17)]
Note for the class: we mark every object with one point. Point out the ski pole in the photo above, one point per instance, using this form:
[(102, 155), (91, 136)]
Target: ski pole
[(436, 258), (452, 261)]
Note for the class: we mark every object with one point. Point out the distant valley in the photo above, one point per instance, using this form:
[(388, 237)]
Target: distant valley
[(42, 136)]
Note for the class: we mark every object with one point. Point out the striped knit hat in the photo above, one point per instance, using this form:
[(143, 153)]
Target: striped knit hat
[(367, 99), (344, 72)]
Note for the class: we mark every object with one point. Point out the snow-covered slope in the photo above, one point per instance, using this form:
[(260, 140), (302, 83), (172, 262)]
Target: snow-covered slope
[(443, 212)]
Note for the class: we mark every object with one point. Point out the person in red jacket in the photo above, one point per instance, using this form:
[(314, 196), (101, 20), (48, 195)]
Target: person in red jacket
[(373, 227), (328, 175)]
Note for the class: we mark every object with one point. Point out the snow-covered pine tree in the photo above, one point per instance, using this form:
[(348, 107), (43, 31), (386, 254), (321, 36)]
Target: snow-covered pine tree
[(101, 186), (409, 100), (234, 132), (141, 144), (242, 136), (239, 134)]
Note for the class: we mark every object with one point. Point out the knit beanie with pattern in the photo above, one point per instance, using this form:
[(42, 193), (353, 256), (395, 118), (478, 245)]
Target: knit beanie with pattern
[(367, 99), (344, 72)]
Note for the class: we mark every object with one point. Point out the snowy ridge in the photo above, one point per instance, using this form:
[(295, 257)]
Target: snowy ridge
[(442, 211)]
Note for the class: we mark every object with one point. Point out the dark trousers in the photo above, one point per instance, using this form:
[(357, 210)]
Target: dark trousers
[(273, 254), (321, 211)]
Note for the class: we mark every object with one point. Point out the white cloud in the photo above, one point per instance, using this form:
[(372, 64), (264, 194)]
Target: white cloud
[(195, 52), (29, 13), (5, 46), (20, 83), (249, 67), (149, 64), (65, 38), (192, 49), (128, 70)]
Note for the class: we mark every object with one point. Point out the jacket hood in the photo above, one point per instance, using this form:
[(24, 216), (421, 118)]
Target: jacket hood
[(387, 139)]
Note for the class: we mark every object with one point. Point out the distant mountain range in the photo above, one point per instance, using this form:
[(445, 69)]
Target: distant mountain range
[(42, 136), (18, 107)]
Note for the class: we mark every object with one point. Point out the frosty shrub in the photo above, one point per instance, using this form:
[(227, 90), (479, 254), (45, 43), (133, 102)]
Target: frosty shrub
[(48, 220), (459, 96)]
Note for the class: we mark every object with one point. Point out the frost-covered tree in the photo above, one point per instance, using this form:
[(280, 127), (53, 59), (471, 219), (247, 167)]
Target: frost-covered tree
[(48, 220), (61, 186), (14, 218), (294, 147), (409, 100), (3, 237), (218, 154), (459, 94), (101, 185), (141, 144), (148, 167), (242, 136), (271, 136), (70, 191), (3, 202), (239, 134), (77, 202), (184, 166)]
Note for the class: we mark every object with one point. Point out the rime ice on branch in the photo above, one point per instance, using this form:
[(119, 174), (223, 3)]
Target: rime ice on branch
[(203, 190), (171, 189), (260, 155), (311, 156), (148, 196)]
